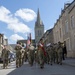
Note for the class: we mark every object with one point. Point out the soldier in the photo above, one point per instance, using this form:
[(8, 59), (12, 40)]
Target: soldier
[(5, 57), (22, 56), (47, 51), (35, 55), (40, 57), (54, 53), (64, 51), (25, 55), (51, 54), (18, 54), (60, 51), (31, 54)]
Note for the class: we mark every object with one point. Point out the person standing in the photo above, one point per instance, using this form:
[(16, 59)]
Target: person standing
[(60, 51), (31, 54), (64, 51), (40, 57), (18, 48), (5, 55), (51, 54)]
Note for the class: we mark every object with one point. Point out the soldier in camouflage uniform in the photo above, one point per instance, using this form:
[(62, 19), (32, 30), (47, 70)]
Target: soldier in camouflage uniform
[(22, 56), (56, 52), (40, 57), (35, 55), (51, 54), (18, 54), (47, 51), (31, 55), (60, 51), (5, 57), (25, 55)]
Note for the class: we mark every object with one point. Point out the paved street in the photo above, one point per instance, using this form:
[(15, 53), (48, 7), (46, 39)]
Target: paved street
[(35, 70), (10, 68)]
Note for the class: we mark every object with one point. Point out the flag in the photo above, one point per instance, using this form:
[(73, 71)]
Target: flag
[(42, 47), (28, 40)]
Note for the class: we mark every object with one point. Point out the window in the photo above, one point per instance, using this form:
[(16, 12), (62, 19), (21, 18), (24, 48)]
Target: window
[(66, 26), (68, 44), (60, 32), (72, 21), (74, 42)]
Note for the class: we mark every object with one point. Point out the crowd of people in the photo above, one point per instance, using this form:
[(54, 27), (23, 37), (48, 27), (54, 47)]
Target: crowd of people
[(53, 53)]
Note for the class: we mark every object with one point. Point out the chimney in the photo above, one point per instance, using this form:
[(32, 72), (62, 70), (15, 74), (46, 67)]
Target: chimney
[(66, 5)]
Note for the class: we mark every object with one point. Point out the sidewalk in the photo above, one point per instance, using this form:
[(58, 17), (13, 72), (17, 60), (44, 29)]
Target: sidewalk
[(69, 61), (10, 65)]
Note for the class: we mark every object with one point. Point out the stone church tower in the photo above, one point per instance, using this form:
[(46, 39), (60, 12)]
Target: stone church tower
[(39, 28)]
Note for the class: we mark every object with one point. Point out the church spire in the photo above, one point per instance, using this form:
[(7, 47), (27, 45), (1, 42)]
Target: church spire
[(38, 17)]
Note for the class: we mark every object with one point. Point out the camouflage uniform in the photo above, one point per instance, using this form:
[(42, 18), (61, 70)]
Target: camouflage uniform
[(60, 51), (22, 56), (35, 55), (41, 57), (56, 53), (51, 54), (31, 55), (47, 51), (5, 57), (18, 55), (25, 55)]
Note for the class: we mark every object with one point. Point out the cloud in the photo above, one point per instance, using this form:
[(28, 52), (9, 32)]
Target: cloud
[(26, 14), (16, 37), (19, 27), (12, 22)]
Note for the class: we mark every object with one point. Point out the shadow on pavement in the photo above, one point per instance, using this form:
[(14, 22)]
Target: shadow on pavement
[(26, 69)]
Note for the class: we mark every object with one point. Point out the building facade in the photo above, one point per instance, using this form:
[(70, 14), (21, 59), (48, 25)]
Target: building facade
[(64, 28), (48, 37), (1, 42), (39, 28)]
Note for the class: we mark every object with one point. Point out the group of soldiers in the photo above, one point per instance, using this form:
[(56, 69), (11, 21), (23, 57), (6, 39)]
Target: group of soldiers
[(54, 53), (29, 54)]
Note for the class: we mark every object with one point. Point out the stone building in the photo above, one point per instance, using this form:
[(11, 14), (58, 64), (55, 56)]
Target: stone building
[(5, 41), (48, 37), (39, 28), (64, 28), (1, 42)]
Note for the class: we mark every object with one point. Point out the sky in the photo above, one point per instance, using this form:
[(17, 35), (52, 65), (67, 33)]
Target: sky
[(18, 17)]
